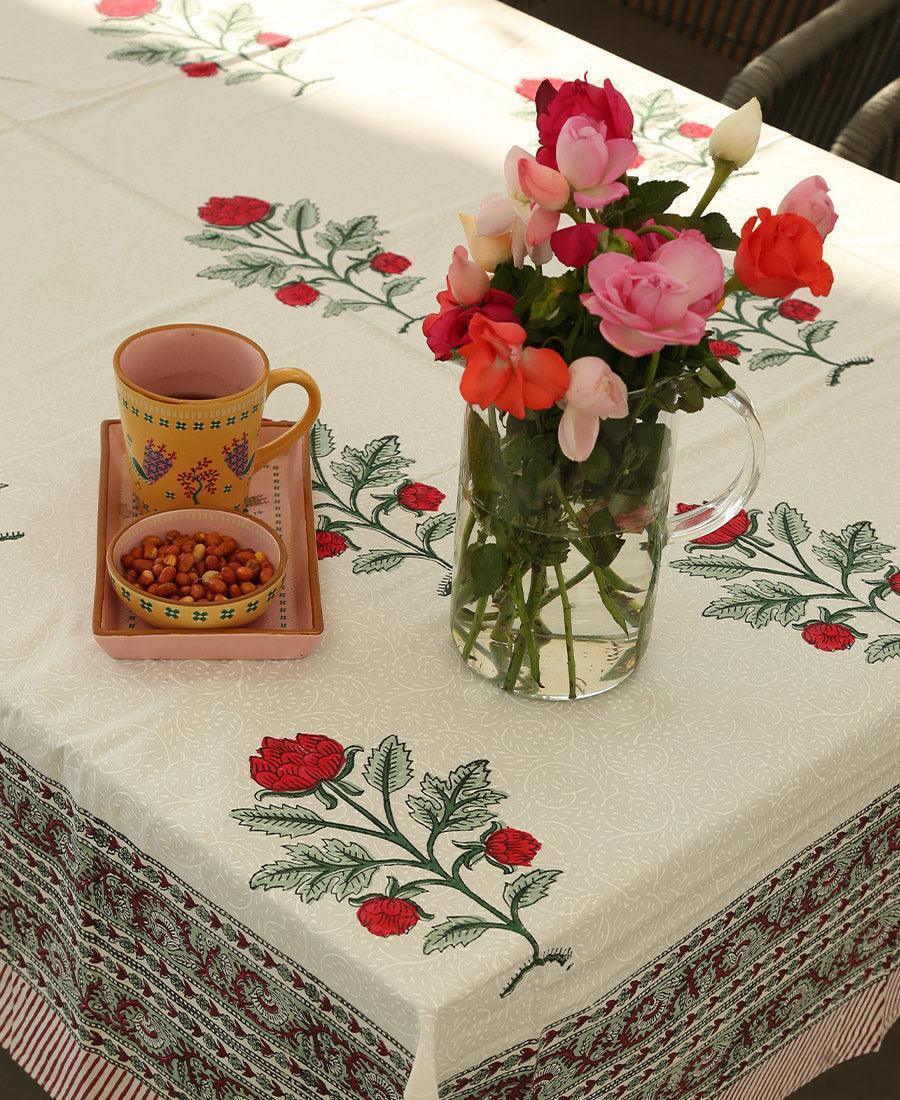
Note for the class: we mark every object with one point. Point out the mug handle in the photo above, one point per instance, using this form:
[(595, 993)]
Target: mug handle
[(707, 517), (282, 377)]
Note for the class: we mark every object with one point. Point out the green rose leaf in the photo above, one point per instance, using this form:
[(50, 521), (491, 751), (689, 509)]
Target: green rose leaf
[(788, 525), (713, 226), (402, 285), (246, 268), (119, 32), (770, 357), (303, 214), (888, 645), (769, 601), (150, 53), (356, 235), (855, 550), (321, 440), (435, 527), (486, 567), (243, 77), (463, 801), (654, 196), (377, 561), (378, 463), (818, 330), (719, 567), (236, 20), (213, 238), (388, 767), (528, 889), (290, 821), (454, 932), (337, 867), (340, 304)]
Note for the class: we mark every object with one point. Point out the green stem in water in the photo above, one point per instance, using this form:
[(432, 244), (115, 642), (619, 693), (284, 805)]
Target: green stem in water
[(525, 617), (567, 620), (477, 623), (721, 172)]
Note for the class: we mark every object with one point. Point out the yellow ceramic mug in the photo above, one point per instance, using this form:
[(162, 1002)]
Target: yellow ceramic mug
[(191, 399)]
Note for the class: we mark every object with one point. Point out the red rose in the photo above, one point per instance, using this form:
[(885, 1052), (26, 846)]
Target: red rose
[(448, 329), (527, 88), (420, 498), (577, 97), (296, 765), (297, 294), (575, 245), (828, 637), (723, 348), (233, 213), (894, 581), (512, 847), (638, 161), (199, 68), (796, 310), (329, 544), (389, 263), (273, 41), (722, 536), (780, 255), (126, 9), (387, 916), (695, 130)]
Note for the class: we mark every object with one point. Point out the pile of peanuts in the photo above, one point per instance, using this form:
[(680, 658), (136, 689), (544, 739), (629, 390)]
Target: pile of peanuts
[(202, 568)]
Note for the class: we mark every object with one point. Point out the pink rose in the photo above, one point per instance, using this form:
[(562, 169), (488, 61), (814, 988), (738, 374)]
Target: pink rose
[(126, 9), (466, 281), (577, 97), (595, 393), (809, 198), (645, 305), (591, 163)]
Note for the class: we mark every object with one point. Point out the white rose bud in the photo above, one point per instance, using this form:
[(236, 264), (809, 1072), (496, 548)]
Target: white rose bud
[(735, 138)]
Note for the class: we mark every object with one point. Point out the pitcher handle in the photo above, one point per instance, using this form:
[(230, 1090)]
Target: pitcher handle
[(712, 515)]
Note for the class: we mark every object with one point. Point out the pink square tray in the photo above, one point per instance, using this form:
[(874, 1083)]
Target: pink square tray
[(280, 494)]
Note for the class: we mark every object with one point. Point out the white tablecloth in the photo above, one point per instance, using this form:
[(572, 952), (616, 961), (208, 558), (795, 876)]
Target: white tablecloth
[(731, 749)]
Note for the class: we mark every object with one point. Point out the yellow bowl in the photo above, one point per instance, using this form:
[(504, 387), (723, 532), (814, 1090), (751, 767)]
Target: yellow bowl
[(169, 614)]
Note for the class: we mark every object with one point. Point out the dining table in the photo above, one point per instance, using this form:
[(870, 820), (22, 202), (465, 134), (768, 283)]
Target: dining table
[(368, 873)]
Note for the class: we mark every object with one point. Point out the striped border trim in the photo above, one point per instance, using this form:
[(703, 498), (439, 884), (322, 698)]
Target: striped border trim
[(36, 1037), (858, 1027)]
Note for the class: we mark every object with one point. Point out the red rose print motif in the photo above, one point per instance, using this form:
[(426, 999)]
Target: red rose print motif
[(126, 9), (387, 916), (797, 580), (330, 544), (722, 536), (237, 211), (797, 310), (396, 841), (389, 263), (527, 87), (344, 264), (300, 764), (695, 130), (511, 847), (417, 497), (724, 349), (273, 41), (829, 637), (199, 68), (297, 294)]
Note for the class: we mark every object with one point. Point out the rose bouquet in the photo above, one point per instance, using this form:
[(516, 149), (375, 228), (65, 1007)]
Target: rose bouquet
[(573, 376)]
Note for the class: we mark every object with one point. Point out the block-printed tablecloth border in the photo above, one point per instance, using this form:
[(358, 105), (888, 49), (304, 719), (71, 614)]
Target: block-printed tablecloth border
[(156, 979)]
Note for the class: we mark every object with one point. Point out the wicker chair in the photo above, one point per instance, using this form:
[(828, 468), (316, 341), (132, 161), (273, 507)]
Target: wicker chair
[(812, 81), (739, 29), (872, 136)]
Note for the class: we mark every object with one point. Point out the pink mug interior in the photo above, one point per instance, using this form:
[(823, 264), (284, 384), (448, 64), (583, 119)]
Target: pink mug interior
[(191, 362)]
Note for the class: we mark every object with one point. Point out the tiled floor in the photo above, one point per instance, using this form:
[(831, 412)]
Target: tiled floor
[(875, 1077)]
